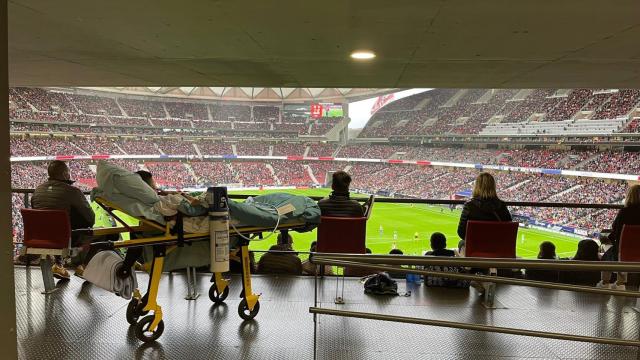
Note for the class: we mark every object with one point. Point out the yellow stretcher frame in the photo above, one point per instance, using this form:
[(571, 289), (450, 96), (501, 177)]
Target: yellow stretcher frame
[(151, 327)]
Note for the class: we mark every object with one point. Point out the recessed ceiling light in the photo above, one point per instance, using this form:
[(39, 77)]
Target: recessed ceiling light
[(363, 55)]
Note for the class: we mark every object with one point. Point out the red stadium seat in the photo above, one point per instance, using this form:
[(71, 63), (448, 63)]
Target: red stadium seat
[(629, 247), (46, 229), (46, 233), (342, 235), (491, 239)]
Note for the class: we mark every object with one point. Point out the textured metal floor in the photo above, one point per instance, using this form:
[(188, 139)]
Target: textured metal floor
[(80, 321)]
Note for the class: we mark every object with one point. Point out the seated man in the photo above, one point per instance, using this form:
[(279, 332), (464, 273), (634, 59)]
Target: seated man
[(338, 203), (438, 244), (310, 269), (57, 193), (279, 263)]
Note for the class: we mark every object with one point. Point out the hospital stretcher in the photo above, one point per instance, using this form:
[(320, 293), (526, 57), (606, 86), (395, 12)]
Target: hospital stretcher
[(164, 239)]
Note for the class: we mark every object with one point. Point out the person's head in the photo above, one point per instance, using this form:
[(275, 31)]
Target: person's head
[(58, 170), (633, 196), (547, 250), (313, 246), (485, 187), (147, 178), (281, 247), (340, 181), (438, 241), (396, 252), (587, 250), (367, 251), (287, 241)]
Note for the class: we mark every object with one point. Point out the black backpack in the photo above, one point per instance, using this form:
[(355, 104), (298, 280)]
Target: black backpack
[(380, 284)]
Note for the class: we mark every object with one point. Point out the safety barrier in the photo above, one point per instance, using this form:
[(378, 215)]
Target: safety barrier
[(393, 263)]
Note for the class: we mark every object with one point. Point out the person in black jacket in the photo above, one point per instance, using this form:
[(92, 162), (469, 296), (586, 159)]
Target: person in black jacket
[(548, 252), (339, 204), (484, 204), (628, 215)]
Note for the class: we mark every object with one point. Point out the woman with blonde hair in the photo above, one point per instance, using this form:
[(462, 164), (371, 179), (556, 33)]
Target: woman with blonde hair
[(484, 204), (628, 215)]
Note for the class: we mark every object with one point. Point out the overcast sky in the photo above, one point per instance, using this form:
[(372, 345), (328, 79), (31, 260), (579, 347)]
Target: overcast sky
[(360, 111)]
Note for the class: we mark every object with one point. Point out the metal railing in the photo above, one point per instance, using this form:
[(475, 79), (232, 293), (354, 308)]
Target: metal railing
[(394, 263)]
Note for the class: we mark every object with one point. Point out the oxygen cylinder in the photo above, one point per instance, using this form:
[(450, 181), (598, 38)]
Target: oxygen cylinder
[(218, 228)]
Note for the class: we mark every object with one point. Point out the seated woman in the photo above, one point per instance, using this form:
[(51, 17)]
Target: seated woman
[(628, 215), (547, 251), (484, 204), (587, 251)]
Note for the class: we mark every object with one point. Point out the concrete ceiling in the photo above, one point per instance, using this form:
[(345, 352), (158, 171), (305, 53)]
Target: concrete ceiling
[(299, 43)]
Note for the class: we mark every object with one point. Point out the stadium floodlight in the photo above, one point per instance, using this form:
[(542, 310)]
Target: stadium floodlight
[(363, 55)]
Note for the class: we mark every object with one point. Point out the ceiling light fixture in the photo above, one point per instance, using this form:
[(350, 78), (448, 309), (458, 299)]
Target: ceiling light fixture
[(363, 55)]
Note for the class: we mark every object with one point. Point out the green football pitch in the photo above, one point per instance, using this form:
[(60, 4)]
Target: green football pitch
[(396, 224)]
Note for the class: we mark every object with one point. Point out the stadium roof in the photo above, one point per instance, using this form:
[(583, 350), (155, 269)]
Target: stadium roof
[(253, 93), (301, 44)]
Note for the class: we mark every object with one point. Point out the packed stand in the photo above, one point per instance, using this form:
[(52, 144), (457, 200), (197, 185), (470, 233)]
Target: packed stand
[(186, 110), (289, 149), (253, 173), (142, 108)]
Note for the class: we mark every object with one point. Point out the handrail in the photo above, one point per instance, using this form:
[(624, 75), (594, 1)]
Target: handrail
[(480, 278), (499, 263), (426, 201), (479, 327)]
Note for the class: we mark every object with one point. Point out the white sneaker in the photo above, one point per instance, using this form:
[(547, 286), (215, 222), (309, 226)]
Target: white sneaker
[(622, 287), (602, 285)]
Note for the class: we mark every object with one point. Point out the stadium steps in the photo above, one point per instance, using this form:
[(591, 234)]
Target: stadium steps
[(234, 149), (121, 108), (195, 146), (521, 95), (306, 150), (454, 99), (120, 148), (79, 148), (271, 148), (421, 105), (571, 189), (347, 168), (311, 175), (336, 151), (158, 148), (166, 112), (209, 116), (273, 173), (517, 185), (586, 161), (189, 169)]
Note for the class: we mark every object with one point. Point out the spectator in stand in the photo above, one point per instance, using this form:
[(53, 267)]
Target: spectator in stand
[(280, 263), (438, 244), (484, 204), (587, 251), (548, 252), (310, 269), (628, 215), (58, 193), (396, 275), (339, 204)]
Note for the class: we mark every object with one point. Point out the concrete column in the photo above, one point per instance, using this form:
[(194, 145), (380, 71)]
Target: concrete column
[(7, 296)]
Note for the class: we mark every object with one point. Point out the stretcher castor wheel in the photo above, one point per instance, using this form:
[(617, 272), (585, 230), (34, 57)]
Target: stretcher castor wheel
[(142, 329), (134, 311), (245, 313), (217, 297)]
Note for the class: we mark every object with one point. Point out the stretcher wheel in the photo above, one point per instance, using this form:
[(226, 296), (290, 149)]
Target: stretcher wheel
[(142, 329), (217, 297), (243, 310), (132, 312)]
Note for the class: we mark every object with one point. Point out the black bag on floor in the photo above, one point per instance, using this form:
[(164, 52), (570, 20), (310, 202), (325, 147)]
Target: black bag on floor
[(380, 284)]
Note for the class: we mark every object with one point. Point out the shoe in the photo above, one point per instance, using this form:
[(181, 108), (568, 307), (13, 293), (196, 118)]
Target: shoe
[(79, 272), (621, 287), (602, 285), (59, 272)]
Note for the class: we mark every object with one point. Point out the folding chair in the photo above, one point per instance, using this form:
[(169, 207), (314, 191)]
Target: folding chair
[(491, 239), (46, 233), (341, 235)]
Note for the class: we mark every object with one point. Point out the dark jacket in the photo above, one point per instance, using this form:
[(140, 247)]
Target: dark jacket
[(482, 210), (61, 195), (340, 205), (626, 216), (280, 263), (441, 252)]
